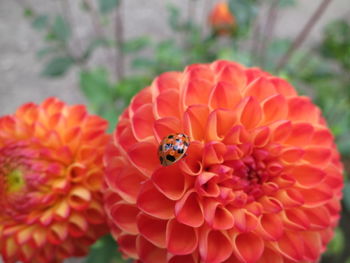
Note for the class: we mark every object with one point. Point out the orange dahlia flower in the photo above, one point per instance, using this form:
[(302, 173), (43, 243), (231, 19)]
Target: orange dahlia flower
[(51, 174), (221, 19), (261, 181)]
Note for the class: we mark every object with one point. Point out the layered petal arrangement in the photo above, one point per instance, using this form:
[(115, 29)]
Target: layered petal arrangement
[(51, 175), (261, 181), (221, 19)]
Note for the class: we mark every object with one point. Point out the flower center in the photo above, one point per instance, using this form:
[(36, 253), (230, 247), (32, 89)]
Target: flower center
[(243, 175), (15, 180), (22, 172)]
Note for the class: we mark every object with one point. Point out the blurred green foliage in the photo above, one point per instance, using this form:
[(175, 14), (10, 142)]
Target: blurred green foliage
[(320, 71)]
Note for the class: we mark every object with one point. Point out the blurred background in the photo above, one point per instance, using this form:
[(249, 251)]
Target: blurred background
[(101, 52)]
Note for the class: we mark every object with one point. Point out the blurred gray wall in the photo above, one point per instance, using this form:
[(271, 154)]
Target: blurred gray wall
[(20, 79)]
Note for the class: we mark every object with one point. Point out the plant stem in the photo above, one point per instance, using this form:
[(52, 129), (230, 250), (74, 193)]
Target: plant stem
[(94, 16), (255, 40), (303, 34), (119, 38)]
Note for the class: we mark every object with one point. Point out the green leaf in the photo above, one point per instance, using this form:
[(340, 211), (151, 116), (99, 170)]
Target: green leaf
[(107, 6), (142, 63), (336, 42), (40, 22), (169, 56), (28, 12), (57, 66), (136, 44), (104, 250), (97, 88), (244, 12), (46, 51), (287, 3), (346, 198), (174, 17), (336, 246), (61, 29), (95, 43)]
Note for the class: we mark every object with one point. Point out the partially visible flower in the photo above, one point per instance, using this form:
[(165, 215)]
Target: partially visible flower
[(262, 180), (50, 179), (222, 20)]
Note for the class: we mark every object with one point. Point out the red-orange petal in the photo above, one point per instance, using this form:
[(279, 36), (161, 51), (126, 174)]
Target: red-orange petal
[(154, 203), (188, 210), (248, 247), (148, 253), (307, 175), (250, 112), (164, 107), (144, 156), (124, 215), (181, 239), (217, 216), (214, 246), (165, 126), (301, 109), (261, 88), (153, 229), (171, 181), (195, 119), (224, 96), (291, 246), (142, 122), (270, 226)]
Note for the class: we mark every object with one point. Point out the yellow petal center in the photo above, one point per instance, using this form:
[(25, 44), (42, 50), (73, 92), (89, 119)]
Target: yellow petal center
[(15, 180)]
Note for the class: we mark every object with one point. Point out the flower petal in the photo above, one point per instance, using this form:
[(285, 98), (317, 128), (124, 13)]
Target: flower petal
[(270, 227), (307, 175), (234, 75), (180, 239), (195, 119), (224, 96), (165, 107), (144, 156), (154, 203), (171, 181), (220, 121), (301, 109), (165, 126), (214, 246), (250, 112), (196, 91), (274, 108), (188, 210), (153, 229), (124, 215), (291, 246), (248, 247), (217, 216), (142, 122), (261, 88), (149, 253)]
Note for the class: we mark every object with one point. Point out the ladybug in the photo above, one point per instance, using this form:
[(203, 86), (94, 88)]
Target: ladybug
[(173, 148)]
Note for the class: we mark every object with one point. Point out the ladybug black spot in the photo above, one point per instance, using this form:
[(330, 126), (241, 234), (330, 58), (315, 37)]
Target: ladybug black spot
[(180, 150), (170, 136), (170, 158)]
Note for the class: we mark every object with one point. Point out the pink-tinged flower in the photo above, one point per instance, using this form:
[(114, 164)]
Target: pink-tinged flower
[(221, 19), (51, 175), (261, 181)]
